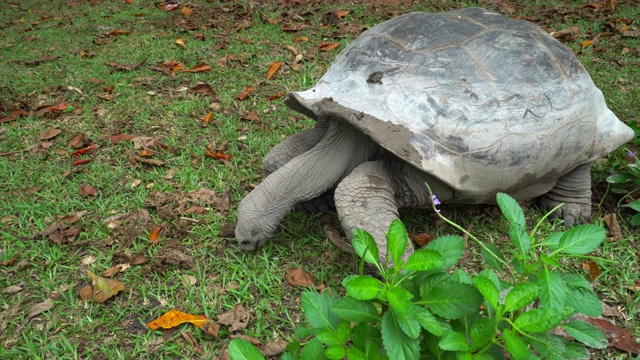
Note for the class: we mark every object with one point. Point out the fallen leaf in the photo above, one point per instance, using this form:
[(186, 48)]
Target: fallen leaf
[(586, 43), (81, 162), (301, 39), (139, 260), (145, 153), (195, 346), (610, 5), (154, 235), (201, 67), (635, 287), (10, 261), (218, 155), (327, 46), (250, 116), (118, 32), (87, 190), (186, 11), (614, 227), (275, 96), (104, 288), (237, 318), (618, 337), (86, 293), (298, 277), (108, 89), (333, 234), (173, 318), (13, 116), (121, 137), (39, 308), (180, 41), (245, 93), (273, 69), (135, 159), (13, 289), (41, 59), (247, 338), (201, 88), (421, 239), (50, 133), (273, 348), (126, 67), (592, 267), (79, 140), (84, 150), (207, 118), (341, 14), (195, 210), (210, 328)]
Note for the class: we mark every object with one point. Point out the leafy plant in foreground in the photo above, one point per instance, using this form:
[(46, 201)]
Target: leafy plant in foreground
[(419, 309)]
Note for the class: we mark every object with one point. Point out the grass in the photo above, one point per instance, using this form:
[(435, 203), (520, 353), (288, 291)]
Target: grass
[(35, 189)]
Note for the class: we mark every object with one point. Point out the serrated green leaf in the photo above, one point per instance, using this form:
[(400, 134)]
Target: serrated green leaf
[(549, 260), (362, 287), (408, 323), (243, 350), (452, 300), (574, 350), (343, 331), (355, 310), (553, 240), (313, 350), (328, 337), (520, 239), (453, 341), (575, 281), (488, 289), (397, 344), (539, 320), (482, 331), (492, 255), (424, 260), (584, 301), (399, 299), (520, 296), (429, 322), (462, 277), (516, 346), (317, 308), (335, 352), (510, 209), (450, 247), (548, 346), (553, 291), (635, 205), (581, 239), (397, 239), (365, 246), (586, 333), (356, 354)]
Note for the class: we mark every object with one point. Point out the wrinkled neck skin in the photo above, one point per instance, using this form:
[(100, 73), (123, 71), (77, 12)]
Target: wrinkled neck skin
[(303, 178)]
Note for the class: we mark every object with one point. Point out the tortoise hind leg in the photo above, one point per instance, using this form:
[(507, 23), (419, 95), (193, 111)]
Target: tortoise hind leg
[(574, 190)]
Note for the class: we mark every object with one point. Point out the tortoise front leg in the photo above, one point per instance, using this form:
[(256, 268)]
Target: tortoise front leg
[(574, 190)]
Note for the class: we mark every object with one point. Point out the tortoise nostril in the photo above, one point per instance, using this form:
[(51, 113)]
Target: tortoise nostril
[(245, 242)]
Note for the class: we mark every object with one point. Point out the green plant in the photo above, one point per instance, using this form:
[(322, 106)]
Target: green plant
[(421, 309)]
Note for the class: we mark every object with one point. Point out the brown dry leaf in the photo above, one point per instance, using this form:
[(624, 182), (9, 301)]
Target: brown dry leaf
[(301, 39), (139, 260), (13, 116), (78, 141), (135, 159), (210, 328), (327, 46), (104, 288), (118, 32), (110, 272), (180, 41), (126, 67), (592, 266), (154, 235), (243, 95), (207, 118), (41, 59), (250, 116), (87, 190), (618, 337), (635, 287), (115, 139), (298, 277), (237, 318), (332, 233), (218, 155), (343, 13), (86, 293), (275, 96), (186, 11), (227, 59), (201, 88), (273, 69), (173, 318), (201, 67), (567, 34), (197, 348), (195, 210), (614, 227), (50, 133), (39, 308), (610, 5), (273, 348), (13, 288), (421, 239)]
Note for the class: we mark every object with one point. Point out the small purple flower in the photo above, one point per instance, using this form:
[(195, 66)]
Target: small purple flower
[(436, 201)]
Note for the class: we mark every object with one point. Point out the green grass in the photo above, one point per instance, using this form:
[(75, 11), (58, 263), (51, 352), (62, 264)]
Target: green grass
[(34, 190)]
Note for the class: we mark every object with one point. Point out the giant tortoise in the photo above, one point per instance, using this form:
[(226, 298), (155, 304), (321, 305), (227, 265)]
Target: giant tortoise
[(470, 102)]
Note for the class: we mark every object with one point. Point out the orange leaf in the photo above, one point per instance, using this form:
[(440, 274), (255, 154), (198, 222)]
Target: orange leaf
[(343, 13), (122, 137), (594, 270), (327, 46), (245, 93), (84, 150), (60, 107), (180, 41), (173, 318), (154, 235), (301, 39), (13, 116), (207, 117), (218, 155), (145, 153), (273, 69), (201, 67), (586, 43), (421, 239), (118, 32), (81, 162), (275, 96), (298, 277), (186, 11)]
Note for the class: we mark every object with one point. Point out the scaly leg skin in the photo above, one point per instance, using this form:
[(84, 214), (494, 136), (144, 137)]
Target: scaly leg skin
[(574, 190), (366, 199), (293, 146)]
